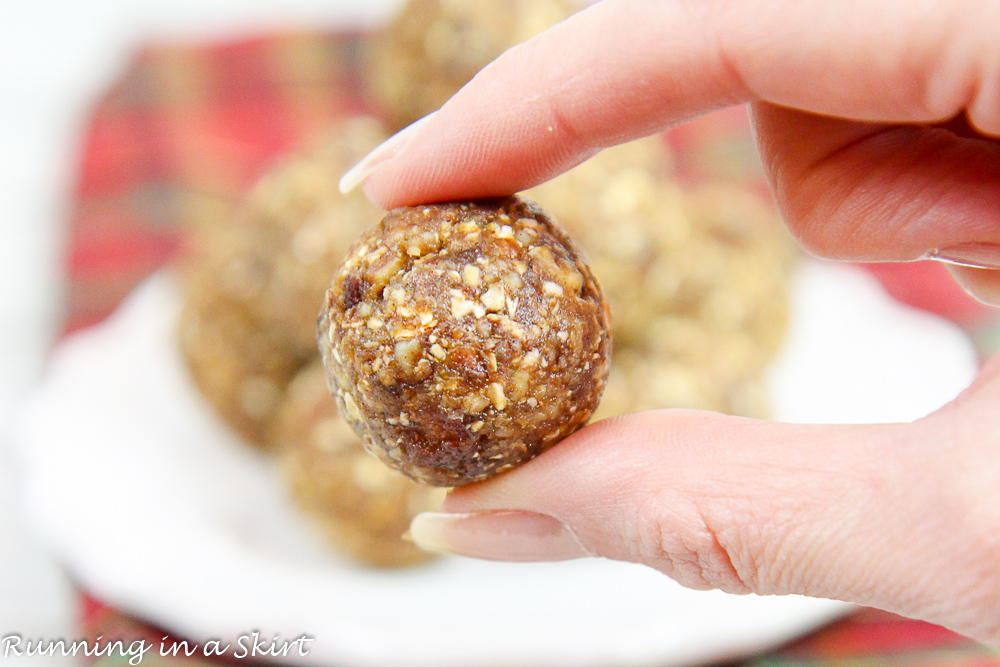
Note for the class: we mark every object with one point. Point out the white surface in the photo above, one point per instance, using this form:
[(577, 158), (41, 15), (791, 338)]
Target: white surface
[(854, 355), (156, 508), (35, 598)]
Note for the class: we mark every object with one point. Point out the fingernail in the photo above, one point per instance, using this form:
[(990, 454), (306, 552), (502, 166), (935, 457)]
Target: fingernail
[(975, 255), (380, 155), (505, 535)]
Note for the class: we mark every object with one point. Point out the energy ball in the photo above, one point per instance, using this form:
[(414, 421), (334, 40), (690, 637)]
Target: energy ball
[(717, 254), (433, 47), (696, 276), (252, 276), (640, 380), (275, 255), (359, 505), (240, 369), (463, 339)]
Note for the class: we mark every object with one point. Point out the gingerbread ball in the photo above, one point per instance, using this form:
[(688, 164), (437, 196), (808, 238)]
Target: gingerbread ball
[(239, 368), (433, 47), (275, 255), (463, 339), (697, 278), (359, 505)]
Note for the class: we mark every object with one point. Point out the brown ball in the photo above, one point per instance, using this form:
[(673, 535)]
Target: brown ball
[(696, 277), (253, 275), (275, 256), (359, 505), (433, 47), (715, 254), (240, 369), (463, 339)]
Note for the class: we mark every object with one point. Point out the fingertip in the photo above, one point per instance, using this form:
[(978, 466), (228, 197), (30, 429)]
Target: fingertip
[(368, 168), (502, 535)]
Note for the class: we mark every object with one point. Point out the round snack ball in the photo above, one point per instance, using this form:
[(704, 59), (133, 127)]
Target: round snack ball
[(463, 339), (642, 380), (241, 370), (697, 278), (434, 47), (717, 254), (359, 505), (291, 231)]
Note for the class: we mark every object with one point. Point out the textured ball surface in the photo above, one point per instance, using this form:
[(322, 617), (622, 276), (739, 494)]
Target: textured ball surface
[(463, 339), (360, 506)]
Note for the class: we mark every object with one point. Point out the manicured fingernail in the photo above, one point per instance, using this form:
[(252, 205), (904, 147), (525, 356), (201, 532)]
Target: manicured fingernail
[(380, 155), (975, 255), (497, 535), (983, 284)]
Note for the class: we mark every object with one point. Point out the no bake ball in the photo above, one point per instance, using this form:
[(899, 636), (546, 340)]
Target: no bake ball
[(253, 274), (462, 339), (290, 233), (433, 47), (696, 276), (240, 369), (361, 507)]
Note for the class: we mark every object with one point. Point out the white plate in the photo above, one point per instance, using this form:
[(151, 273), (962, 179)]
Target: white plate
[(157, 509)]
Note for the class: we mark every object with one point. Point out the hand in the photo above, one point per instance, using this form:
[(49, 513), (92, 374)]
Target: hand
[(878, 126)]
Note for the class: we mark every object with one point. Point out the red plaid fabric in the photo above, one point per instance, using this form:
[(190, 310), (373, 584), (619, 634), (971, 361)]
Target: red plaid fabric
[(209, 119)]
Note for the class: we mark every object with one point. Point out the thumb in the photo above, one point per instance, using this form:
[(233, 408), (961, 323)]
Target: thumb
[(903, 517)]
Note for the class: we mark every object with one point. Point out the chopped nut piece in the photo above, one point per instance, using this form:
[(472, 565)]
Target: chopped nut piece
[(494, 298), (497, 398), (460, 306), (471, 275), (519, 385), (408, 354), (351, 405), (551, 288), (474, 403)]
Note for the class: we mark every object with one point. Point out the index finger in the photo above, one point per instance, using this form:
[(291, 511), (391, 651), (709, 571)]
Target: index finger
[(623, 69)]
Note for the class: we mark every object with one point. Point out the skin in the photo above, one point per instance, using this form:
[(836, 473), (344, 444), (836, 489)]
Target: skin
[(878, 126)]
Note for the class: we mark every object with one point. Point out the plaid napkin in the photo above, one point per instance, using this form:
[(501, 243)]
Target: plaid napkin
[(188, 128)]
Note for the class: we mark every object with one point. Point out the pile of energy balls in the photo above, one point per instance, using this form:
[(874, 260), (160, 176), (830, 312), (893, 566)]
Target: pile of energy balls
[(507, 327)]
